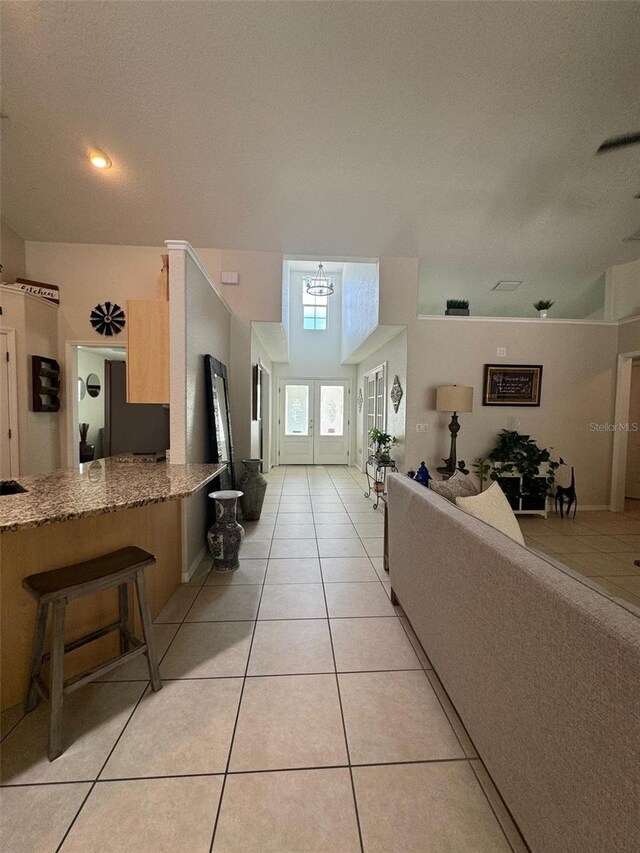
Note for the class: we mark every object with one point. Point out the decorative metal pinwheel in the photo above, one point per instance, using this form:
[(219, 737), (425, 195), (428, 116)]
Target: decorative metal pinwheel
[(108, 319)]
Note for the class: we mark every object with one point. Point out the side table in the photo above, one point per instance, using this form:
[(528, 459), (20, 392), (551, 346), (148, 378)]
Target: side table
[(376, 477)]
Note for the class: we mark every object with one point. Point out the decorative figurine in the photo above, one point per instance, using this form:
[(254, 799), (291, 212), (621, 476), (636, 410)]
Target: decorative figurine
[(422, 476), (568, 494)]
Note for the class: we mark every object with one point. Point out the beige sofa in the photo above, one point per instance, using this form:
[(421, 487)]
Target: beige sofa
[(542, 666)]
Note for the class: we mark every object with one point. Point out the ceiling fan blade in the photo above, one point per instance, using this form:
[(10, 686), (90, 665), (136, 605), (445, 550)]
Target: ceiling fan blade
[(619, 142)]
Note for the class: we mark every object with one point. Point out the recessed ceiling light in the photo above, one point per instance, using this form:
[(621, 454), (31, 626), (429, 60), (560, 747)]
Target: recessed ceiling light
[(99, 160), (506, 285)]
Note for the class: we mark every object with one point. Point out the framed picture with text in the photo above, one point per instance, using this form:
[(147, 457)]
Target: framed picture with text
[(512, 385)]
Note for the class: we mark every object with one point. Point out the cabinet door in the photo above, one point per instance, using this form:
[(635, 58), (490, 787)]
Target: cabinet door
[(147, 351)]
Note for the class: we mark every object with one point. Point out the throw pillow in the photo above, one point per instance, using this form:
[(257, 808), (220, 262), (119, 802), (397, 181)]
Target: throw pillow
[(459, 485), (493, 508)]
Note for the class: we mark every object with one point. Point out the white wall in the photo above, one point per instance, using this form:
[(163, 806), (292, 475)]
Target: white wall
[(91, 409), (394, 355), (315, 354), (12, 253), (629, 336), (623, 291), (200, 325), (437, 285), (579, 363), (360, 305)]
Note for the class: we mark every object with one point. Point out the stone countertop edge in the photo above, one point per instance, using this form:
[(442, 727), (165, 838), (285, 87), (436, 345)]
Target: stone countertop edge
[(97, 488)]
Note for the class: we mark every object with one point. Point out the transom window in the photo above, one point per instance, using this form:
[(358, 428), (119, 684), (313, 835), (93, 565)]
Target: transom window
[(314, 311)]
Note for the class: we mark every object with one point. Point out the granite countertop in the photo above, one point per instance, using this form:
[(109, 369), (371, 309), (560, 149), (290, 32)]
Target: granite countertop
[(99, 487)]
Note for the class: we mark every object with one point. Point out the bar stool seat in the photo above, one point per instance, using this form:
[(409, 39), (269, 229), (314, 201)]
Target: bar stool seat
[(68, 583)]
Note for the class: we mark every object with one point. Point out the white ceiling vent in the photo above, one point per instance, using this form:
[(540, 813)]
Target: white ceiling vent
[(634, 236), (507, 285)]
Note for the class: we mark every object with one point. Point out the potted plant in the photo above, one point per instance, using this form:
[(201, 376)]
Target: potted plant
[(525, 471), (383, 443), (457, 307), (542, 307)]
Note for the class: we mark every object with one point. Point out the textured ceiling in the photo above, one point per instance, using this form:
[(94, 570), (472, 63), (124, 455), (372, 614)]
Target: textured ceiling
[(460, 132)]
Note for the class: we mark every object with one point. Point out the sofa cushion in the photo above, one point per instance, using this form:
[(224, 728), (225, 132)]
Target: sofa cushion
[(459, 485), (493, 508)]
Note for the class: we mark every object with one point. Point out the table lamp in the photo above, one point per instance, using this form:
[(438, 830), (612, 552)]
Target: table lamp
[(454, 399)]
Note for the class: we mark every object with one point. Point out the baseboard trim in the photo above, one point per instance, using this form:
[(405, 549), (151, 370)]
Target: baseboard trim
[(186, 576), (594, 508)]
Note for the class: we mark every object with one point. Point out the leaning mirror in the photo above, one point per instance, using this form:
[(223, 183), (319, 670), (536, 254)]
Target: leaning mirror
[(220, 441)]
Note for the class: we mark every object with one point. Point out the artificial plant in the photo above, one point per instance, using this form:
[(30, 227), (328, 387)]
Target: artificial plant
[(519, 454), (383, 442)]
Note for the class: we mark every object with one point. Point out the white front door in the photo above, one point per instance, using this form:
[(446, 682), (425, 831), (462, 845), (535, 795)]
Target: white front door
[(314, 422)]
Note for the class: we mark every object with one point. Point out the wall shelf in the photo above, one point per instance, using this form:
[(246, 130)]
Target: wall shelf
[(45, 384)]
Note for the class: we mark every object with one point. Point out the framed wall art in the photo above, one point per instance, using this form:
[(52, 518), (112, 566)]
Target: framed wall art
[(512, 385)]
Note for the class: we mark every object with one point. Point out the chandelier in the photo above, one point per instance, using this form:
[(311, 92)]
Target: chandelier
[(319, 284)]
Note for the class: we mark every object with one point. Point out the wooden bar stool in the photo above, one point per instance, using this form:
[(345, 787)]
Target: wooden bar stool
[(59, 586)]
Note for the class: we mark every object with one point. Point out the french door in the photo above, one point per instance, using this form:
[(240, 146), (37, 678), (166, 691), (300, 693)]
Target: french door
[(314, 422), (375, 413)]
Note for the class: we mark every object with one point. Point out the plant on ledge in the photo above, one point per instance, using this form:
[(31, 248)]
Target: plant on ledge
[(459, 307), (383, 443), (542, 307), (519, 455)]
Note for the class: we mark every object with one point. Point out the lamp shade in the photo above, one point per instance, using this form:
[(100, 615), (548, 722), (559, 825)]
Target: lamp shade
[(454, 398)]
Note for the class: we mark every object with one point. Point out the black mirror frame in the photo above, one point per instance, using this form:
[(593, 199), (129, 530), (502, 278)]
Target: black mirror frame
[(214, 368)]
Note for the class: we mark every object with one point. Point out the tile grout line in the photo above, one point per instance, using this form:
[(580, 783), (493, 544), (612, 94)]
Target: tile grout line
[(344, 726), (235, 724), (240, 772), (495, 813)]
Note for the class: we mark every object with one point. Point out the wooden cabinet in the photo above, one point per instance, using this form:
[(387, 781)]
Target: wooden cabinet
[(147, 351)]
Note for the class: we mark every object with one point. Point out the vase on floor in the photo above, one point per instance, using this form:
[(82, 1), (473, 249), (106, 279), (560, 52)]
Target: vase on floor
[(254, 486), (226, 535)]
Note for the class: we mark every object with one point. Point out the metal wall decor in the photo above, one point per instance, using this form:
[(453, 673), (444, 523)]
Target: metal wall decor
[(108, 319), (360, 399), (396, 393)]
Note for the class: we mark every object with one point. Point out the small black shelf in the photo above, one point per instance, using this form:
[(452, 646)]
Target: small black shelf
[(45, 384)]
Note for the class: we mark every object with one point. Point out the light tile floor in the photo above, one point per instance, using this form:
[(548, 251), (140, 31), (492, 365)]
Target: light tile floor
[(298, 713), (602, 546)]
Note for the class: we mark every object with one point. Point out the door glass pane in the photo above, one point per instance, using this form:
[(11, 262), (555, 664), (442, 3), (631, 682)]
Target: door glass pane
[(296, 410), (332, 410)]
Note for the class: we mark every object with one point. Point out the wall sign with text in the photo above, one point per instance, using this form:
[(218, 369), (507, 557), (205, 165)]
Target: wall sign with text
[(512, 385)]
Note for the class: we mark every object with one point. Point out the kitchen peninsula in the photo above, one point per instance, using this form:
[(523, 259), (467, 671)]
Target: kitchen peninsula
[(77, 513)]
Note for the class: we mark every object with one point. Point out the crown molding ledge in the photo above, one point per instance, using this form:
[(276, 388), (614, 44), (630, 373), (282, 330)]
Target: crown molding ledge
[(537, 320), (185, 246)]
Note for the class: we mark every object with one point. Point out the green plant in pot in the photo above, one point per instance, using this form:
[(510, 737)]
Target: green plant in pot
[(382, 443), (542, 306), (519, 455), (457, 307)]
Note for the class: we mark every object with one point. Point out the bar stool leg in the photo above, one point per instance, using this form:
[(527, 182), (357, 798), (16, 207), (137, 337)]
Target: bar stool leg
[(37, 651), (147, 629), (57, 680), (123, 607)]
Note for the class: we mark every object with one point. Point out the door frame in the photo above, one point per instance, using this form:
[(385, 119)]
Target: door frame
[(72, 438), (266, 405), (620, 437), (12, 393), (384, 367), (347, 409)]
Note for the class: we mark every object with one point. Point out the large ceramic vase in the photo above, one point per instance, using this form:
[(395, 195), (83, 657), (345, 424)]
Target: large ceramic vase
[(254, 486), (226, 535)]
